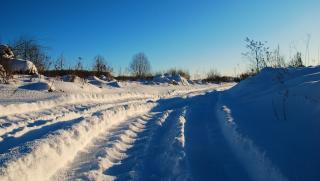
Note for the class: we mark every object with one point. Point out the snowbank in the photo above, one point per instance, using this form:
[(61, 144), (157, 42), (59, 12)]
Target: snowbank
[(15, 65), (72, 78), (38, 86), (102, 83), (18, 65), (278, 110), (175, 79)]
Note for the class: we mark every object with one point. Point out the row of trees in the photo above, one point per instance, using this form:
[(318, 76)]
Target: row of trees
[(30, 49), (258, 53)]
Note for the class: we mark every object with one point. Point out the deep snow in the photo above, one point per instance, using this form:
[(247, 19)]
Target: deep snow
[(264, 128)]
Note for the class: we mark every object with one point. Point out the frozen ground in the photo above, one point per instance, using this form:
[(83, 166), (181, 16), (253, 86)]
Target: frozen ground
[(264, 128)]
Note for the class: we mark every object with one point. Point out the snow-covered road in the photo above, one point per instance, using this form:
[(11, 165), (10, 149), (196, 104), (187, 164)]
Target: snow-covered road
[(175, 138), (252, 131), (179, 139)]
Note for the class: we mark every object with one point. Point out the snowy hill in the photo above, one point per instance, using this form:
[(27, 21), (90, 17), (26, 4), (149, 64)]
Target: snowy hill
[(277, 114)]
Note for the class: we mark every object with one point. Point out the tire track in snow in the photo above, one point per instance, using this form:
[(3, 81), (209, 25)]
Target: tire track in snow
[(208, 153), (120, 147), (22, 124), (130, 149), (165, 157), (158, 154), (256, 163), (40, 159)]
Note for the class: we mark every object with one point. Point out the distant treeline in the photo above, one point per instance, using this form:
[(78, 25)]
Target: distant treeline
[(258, 54)]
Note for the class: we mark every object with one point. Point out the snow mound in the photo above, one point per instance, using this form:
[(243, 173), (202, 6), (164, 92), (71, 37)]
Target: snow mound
[(19, 65), (15, 65), (102, 83), (170, 79), (270, 79), (38, 86), (278, 111), (114, 84), (71, 78)]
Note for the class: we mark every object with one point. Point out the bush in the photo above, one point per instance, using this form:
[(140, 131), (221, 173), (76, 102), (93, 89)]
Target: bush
[(79, 73), (244, 76), (181, 72), (132, 78), (5, 76)]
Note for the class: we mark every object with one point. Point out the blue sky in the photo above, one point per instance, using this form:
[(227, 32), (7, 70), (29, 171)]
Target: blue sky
[(194, 35)]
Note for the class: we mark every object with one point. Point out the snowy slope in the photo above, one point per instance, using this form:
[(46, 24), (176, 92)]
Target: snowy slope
[(275, 115)]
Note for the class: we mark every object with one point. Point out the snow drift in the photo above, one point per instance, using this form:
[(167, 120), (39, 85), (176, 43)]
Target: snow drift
[(278, 110), (15, 65), (170, 79)]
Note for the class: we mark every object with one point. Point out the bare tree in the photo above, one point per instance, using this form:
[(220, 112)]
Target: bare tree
[(256, 53), (140, 65), (79, 65), (29, 49), (101, 66), (213, 74), (60, 63)]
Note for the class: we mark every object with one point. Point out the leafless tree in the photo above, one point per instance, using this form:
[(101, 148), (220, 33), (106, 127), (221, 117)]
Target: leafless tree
[(256, 53), (29, 49), (60, 63), (213, 74), (79, 65), (140, 65), (101, 66)]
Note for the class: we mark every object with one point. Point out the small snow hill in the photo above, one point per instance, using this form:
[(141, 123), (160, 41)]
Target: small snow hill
[(277, 114)]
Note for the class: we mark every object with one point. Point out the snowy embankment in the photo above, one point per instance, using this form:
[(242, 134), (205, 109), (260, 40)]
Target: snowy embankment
[(271, 122)]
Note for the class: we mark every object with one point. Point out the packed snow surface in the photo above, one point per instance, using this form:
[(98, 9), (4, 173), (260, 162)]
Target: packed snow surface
[(264, 128)]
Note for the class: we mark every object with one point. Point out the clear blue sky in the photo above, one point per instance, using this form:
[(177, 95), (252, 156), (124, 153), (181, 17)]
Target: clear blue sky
[(194, 35)]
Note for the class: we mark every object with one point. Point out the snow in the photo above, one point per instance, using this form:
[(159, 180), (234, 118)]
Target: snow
[(276, 115), (264, 128), (19, 65), (103, 83), (15, 65), (171, 79)]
